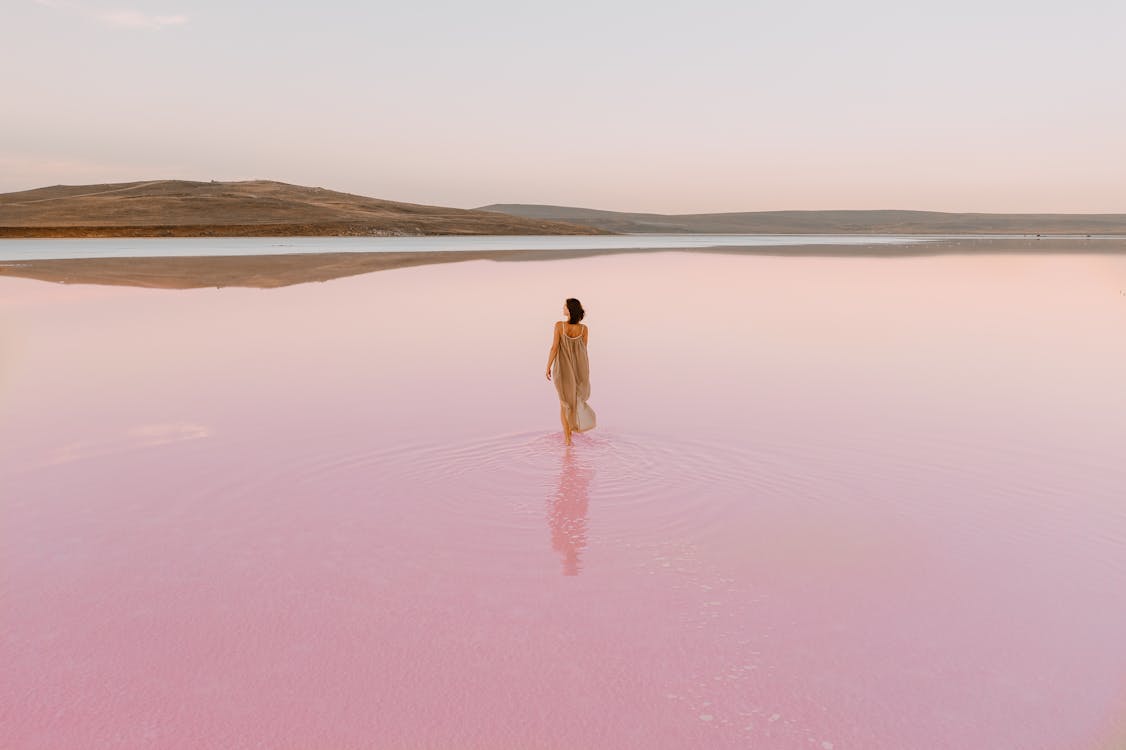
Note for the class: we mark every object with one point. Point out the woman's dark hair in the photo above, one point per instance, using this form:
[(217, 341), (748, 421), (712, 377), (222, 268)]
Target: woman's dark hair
[(576, 309)]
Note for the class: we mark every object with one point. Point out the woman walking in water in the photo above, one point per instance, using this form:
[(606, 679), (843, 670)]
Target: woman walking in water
[(571, 370)]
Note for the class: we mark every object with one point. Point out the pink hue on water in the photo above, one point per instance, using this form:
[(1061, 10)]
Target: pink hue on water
[(830, 503)]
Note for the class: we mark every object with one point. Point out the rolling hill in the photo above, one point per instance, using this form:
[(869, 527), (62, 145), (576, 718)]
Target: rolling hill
[(256, 208)]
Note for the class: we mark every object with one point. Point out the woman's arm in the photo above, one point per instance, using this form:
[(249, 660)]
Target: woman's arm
[(554, 348), (586, 335)]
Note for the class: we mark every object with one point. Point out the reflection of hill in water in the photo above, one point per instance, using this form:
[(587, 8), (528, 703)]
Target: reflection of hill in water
[(260, 271), (268, 271)]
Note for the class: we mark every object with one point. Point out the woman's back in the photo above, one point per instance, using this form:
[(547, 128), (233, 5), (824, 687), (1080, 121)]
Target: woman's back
[(573, 331)]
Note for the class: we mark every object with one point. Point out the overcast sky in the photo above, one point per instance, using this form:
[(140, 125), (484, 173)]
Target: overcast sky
[(643, 106)]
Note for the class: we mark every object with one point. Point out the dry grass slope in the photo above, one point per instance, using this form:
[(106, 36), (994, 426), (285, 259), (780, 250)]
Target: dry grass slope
[(179, 208)]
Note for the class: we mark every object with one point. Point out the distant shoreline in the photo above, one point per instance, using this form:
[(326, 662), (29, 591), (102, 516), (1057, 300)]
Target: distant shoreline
[(267, 208), (271, 271), (830, 221)]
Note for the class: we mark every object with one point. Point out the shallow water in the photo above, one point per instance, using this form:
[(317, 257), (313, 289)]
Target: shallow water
[(830, 503), (133, 247)]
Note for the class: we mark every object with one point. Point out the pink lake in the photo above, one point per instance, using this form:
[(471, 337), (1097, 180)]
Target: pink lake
[(830, 503)]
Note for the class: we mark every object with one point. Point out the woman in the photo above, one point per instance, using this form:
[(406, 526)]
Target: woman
[(571, 370)]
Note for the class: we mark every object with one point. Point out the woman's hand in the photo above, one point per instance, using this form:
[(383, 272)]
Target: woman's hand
[(548, 373)]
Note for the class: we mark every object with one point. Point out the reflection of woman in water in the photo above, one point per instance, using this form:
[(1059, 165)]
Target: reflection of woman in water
[(566, 512), (571, 370)]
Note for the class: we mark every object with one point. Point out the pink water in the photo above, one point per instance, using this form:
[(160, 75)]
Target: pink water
[(830, 503)]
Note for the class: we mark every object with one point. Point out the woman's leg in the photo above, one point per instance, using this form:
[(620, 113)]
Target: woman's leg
[(566, 424)]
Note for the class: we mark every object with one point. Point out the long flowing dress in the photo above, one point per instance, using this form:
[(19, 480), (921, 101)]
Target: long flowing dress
[(571, 373)]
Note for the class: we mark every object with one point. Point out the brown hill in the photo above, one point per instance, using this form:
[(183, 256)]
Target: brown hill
[(179, 208), (823, 222)]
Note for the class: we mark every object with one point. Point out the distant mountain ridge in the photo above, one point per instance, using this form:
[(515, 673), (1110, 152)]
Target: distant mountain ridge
[(262, 208), (823, 222)]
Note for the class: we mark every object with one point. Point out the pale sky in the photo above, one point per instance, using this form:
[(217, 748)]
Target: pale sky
[(710, 105)]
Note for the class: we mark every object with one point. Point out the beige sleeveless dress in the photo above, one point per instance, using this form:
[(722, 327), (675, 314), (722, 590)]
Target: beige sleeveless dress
[(571, 373)]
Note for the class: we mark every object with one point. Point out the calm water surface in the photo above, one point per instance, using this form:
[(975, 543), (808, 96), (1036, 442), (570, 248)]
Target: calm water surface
[(830, 503), (32, 249)]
